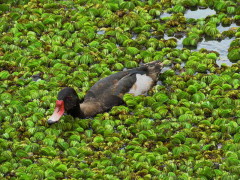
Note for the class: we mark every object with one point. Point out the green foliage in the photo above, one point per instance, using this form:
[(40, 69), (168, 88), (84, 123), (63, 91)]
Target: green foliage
[(234, 55), (185, 127)]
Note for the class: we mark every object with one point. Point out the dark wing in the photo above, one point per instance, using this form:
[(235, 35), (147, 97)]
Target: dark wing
[(119, 79), (113, 95), (99, 87)]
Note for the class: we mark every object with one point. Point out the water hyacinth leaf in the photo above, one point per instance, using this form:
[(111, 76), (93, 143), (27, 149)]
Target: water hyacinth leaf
[(118, 66), (26, 162), (72, 151), (5, 96), (178, 8), (131, 64), (192, 89), (49, 151), (6, 156), (186, 126), (48, 21), (63, 145), (4, 75), (197, 97), (98, 139), (4, 7), (84, 59), (21, 153), (61, 168), (127, 5), (161, 97), (132, 50), (234, 55)]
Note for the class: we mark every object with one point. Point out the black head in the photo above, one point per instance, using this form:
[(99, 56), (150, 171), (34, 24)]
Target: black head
[(68, 101), (69, 97)]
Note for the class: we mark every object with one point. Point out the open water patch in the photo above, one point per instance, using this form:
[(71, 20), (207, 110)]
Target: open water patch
[(199, 13), (179, 40), (101, 32), (211, 45), (165, 15), (220, 46), (222, 28), (134, 36)]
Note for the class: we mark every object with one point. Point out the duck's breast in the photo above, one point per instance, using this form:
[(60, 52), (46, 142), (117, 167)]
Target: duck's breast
[(142, 85)]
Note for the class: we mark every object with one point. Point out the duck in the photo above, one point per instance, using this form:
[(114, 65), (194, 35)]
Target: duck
[(107, 92)]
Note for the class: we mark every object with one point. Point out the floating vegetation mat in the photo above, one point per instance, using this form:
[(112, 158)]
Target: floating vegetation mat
[(187, 127)]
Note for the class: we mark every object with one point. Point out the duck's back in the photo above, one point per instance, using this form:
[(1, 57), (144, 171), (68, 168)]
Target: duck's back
[(109, 91)]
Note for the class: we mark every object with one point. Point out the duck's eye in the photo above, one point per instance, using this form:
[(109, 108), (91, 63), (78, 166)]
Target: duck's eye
[(69, 97)]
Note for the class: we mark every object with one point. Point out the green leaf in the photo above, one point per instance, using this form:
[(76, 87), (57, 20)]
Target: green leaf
[(21, 153), (111, 170), (4, 7), (118, 66), (98, 139), (49, 21), (6, 156), (72, 152), (61, 168), (197, 97), (131, 64), (4, 75), (178, 8), (127, 5), (226, 86), (74, 138), (211, 56), (84, 59), (26, 162), (132, 51), (161, 97), (63, 145), (192, 89), (5, 96), (237, 138), (49, 151), (233, 55)]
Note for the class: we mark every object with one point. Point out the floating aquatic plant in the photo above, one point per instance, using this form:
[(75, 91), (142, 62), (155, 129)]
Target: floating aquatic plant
[(185, 127), (211, 30)]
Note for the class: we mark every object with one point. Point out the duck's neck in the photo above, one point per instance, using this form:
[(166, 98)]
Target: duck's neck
[(76, 111), (90, 109)]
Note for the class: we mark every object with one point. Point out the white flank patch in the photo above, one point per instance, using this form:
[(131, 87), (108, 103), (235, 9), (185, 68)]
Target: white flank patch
[(142, 85)]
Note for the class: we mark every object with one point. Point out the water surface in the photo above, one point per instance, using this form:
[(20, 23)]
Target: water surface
[(199, 13), (101, 32), (211, 45), (226, 28), (165, 15), (220, 46)]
